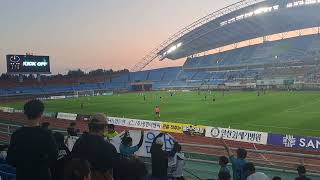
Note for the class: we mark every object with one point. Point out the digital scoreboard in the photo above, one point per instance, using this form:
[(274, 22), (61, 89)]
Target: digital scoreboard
[(27, 64)]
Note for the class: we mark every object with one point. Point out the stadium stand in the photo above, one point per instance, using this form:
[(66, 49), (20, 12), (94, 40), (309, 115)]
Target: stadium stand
[(295, 58)]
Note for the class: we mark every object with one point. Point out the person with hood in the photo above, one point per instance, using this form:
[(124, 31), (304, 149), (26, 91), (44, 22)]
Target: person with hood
[(177, 163)]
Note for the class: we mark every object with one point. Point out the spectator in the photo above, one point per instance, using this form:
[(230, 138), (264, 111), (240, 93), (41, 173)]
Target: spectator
[(45, 126), (32, 150), (237, 163), (276, 178), (63, 156), (224, 175), (110, 133), (92, 147), (77, 169), (132, 169), (302, 173), (72, 129), (251, 174), (159, 159), (126, 148), (223, 162), (179, 163)]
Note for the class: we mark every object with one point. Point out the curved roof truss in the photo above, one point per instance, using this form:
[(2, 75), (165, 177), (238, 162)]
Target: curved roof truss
[(154, 54)]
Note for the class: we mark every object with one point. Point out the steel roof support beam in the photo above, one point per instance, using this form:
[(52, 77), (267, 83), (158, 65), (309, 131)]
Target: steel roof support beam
[(155, 53)]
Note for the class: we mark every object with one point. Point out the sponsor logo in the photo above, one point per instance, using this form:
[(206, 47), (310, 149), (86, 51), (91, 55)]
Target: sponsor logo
[(215, 132), (289, 141)]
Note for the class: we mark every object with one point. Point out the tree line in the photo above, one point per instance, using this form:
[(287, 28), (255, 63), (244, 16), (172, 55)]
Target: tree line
[(70, 74)]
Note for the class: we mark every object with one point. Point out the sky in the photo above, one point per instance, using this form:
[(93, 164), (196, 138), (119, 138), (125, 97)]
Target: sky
[(91, 34)]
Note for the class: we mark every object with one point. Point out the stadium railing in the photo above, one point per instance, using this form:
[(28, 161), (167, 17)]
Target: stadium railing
[(200, 165)]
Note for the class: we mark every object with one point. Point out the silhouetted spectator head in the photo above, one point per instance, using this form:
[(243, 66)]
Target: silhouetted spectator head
[(33, 109), (110, 128), (73, 124), (4, 147), (249, 169), (276, 178), (45, 125), (77, 169), (59, 137), (98, 123), (132, 169), (301, 170), (224, 176), (241, 153), (127, 141), (223, 160)]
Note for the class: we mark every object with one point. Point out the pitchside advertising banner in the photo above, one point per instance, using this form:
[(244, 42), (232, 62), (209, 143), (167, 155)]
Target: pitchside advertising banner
[(237, 135), (135, 123), (290, 141), (157, 125), (68, 116)]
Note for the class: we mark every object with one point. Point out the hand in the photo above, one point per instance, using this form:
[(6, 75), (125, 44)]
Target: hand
[(223, 142), (142, 132)]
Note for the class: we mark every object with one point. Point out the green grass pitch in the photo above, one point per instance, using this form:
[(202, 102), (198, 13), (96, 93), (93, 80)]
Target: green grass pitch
[(279, 112)]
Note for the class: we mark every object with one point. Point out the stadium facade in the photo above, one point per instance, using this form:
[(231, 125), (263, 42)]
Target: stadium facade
[(249, 44)]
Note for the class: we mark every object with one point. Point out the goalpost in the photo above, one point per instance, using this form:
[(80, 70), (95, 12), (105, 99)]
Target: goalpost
[(84, 93)]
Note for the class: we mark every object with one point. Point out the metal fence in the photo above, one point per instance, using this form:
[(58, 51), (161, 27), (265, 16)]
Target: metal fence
[(202, 160)]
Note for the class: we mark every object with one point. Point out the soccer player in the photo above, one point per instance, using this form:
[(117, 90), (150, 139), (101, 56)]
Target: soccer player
[(157, 112)]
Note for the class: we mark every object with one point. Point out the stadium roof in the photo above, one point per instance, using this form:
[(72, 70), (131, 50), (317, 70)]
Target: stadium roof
[(246, 19)]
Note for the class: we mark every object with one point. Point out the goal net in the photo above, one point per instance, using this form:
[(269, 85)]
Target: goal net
[(84, 93)]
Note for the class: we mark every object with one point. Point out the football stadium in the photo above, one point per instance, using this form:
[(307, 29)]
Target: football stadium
[(251, 79)]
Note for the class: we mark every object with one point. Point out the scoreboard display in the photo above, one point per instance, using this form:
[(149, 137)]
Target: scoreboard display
[(28, 64)]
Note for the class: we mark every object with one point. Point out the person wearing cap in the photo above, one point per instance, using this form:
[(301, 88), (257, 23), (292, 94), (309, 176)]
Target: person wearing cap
[(92, 147), (159, 159), (302, 173)]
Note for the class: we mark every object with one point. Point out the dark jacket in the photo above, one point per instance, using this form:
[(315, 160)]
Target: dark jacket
[(101, 154), (58, 167), (159, 159), (32, 151)]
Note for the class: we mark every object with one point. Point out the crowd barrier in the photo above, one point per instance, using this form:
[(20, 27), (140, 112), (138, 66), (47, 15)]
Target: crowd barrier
[(283, 140)]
